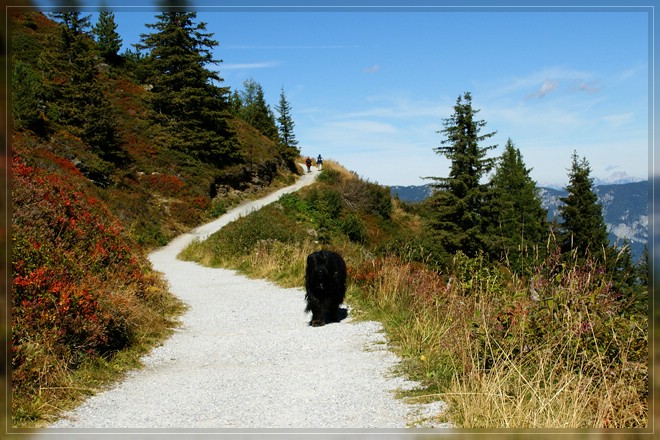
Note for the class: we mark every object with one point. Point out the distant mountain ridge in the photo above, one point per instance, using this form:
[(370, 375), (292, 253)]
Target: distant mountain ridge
[(625, 208)]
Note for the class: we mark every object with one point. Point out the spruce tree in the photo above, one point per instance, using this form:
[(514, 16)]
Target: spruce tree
[(287, 138), (235, 103), (28, 99), (73, 25), (256, 112), (458, 220), (583, 228), (107, 38), (519, 221), (75, 93), (184, 89)]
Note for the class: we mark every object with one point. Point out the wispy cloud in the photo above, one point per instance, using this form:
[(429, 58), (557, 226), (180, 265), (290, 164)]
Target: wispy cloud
[(631, 72), (401, 107), (541, 83), (548, 86), (590, 87), (617, 120), (371, 69), (250, 66), (361, 127), (578, 85), (289, 47)]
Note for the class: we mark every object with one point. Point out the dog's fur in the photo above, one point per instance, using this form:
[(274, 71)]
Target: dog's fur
[(325, 282)]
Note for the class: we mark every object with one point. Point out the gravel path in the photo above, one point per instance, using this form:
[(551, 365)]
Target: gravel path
[(245, 357)]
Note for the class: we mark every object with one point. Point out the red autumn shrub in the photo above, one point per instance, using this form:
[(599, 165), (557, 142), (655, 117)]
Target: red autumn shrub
[(69, 254), (165, 184)]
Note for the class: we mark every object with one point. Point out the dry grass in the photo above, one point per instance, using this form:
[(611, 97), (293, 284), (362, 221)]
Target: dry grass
[(449, 330), (277, 261)]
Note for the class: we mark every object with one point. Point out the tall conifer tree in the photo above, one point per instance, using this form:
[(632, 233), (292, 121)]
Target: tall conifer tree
[(75, 92), (583, 227), (73, 24), (184, 89), (519, 221), (287, 137), (458, 221), (28, 98), (107, 38), (256, 111)]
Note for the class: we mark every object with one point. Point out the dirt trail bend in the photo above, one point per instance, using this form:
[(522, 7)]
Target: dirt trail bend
[(245, 357)]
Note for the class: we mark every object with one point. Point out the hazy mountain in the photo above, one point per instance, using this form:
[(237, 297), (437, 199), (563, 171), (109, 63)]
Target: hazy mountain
[(625, 208), (412, 193)]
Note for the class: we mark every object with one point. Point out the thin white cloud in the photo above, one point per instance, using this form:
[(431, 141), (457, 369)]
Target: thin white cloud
[(361, 127), (617, 120), (250, 66), (631, 72), (401, 107), (371, 69), (541, 83), (590, 87), (537, 119), (289, 47), (548, 86)]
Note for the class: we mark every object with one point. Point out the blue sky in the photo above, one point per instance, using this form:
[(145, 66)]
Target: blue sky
[(371, 87)]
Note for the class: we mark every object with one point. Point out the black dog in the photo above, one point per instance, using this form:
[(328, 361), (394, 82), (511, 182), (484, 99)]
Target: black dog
[(325, 282)]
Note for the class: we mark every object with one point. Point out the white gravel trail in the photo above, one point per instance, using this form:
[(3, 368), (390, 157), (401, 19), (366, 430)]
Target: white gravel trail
[(245, 357)]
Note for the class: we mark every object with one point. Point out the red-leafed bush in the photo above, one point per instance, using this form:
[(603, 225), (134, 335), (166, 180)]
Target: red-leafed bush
[(164, 184), (77, 285)]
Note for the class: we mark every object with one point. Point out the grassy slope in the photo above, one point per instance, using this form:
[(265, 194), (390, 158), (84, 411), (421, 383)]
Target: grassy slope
[(473, 334)]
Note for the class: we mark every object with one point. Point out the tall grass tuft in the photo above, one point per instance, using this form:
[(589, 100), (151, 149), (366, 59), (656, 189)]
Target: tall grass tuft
[(560, 350)]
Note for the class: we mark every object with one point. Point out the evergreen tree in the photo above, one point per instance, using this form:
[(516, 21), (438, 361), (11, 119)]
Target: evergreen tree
[(625, 277), (107, 38), (73, 25), (255, 111), (75, 92), (519, 222), (583, 228), (235, 103), (458, 220), (28, 99), (287, 137), (184, 90)]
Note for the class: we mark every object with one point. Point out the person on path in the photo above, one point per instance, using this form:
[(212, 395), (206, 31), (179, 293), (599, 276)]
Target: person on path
[(319, 162), (308, 162)]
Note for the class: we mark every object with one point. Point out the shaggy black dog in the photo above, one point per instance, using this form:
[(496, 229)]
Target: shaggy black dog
[(325, 282)]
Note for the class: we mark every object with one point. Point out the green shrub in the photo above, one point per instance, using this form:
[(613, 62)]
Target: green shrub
[(218, 208), (366, 197), (325, 202), (295, 206), (241, 237), (330, 176), (354, 228), (325, 207)]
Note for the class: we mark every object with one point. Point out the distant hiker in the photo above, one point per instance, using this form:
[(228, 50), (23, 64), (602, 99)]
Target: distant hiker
[(319, 162), (308, 162)]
